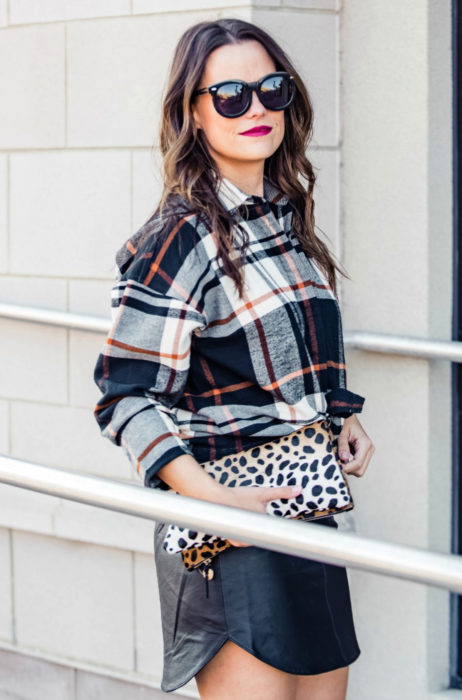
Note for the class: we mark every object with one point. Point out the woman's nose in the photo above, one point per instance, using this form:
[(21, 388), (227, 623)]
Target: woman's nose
[(256, 106)]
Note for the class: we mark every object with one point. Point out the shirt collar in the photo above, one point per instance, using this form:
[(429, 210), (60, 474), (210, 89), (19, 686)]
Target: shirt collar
[(232, 197)]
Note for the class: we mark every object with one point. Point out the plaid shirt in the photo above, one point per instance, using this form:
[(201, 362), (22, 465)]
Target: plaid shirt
[(189, 368)]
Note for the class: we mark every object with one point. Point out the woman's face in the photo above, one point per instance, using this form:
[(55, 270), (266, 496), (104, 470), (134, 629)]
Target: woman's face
[(226, 143)]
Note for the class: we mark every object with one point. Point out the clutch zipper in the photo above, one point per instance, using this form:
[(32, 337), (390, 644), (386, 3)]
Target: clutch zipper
[(205, 568)]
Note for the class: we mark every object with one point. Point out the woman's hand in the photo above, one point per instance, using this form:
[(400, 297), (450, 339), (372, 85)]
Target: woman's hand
[(353, 434), (256, 497)]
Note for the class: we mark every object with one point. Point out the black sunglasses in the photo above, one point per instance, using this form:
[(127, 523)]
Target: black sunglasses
[(232, 98)]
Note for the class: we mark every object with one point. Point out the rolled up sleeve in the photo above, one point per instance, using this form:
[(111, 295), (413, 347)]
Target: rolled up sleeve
[(141, 372), (342, 402)]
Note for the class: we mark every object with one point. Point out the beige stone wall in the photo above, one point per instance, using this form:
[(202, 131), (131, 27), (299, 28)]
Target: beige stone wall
[(396, 233), (80, 91)]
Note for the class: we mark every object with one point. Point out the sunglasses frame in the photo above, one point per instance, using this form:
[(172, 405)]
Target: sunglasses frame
[(255, 86)]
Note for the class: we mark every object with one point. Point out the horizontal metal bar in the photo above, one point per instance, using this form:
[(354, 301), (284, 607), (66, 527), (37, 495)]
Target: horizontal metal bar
[(50, 317), (304, 539), (404, 345), (361, 340)]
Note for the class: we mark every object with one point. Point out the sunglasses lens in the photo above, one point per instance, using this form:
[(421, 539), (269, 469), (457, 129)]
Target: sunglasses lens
[(277, 91), (231, 99)]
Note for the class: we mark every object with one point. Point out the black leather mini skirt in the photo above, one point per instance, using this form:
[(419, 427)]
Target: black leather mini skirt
[(290, 612)]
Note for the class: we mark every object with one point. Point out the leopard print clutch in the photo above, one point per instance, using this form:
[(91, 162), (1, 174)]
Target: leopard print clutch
[(306, 457)]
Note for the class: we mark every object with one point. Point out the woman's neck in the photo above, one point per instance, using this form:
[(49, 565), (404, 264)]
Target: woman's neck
[(250, 183)]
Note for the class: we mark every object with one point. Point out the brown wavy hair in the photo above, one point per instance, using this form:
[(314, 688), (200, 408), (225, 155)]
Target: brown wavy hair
[(190, 175)]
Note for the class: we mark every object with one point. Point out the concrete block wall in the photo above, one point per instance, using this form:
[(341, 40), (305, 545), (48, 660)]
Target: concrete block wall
[(80, 90), (397, 242)]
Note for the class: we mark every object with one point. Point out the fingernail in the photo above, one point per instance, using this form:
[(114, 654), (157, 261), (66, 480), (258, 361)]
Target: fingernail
[(296, 489), (344, 455)]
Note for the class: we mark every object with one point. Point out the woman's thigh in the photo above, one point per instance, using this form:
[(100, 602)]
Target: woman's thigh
[(323, 686), (235, 674)]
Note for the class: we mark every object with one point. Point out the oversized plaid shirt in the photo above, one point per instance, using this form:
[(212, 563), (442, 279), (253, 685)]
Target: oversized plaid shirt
[(189, 368)]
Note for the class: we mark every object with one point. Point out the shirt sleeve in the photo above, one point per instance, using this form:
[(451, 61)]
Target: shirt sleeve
[(343, 402), (143, 366)]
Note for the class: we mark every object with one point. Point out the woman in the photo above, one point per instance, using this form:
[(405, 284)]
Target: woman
[(227, 333)]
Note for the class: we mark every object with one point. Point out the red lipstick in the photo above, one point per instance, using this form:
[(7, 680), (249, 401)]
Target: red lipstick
[(257, 131)]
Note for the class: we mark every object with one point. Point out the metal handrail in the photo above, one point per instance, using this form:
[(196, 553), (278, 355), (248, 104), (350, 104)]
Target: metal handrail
[(51, 317), (361, 340), (405, 345), (279, 534), (271, 532)]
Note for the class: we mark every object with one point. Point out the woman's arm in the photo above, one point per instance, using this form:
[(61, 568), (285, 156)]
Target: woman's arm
[(141, 372), (142, 369), (185, 475)]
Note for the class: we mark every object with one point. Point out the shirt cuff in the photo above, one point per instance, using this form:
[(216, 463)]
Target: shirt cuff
[(151, 480), (150, 437), (342, 402)]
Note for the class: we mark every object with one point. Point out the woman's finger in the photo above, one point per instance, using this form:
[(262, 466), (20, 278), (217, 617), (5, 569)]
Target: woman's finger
[(235, 543), (363, 455), (366, 462), (270, 493)]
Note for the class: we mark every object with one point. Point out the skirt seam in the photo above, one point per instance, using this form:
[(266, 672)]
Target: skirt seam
[(222, 595), (330, 610)]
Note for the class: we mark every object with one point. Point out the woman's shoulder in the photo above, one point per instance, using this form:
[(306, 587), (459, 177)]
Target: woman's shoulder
[(165, 243)]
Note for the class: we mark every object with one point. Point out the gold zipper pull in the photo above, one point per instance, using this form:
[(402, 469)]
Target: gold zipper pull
[(208, 574)]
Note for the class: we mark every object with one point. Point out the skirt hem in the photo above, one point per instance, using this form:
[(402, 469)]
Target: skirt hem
[(177, 685), (260, 657)]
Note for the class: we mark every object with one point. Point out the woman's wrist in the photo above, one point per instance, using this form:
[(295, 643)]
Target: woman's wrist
[(217, 493), (350, 417), (187, 477)]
